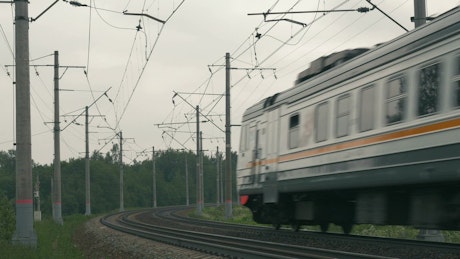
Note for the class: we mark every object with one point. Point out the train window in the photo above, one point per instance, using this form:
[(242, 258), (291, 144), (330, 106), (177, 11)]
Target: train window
[(343, 115), (429, 83), (321, 122), (294, 131), (367, 109), (457, 90), (396, 99), (457, 83)]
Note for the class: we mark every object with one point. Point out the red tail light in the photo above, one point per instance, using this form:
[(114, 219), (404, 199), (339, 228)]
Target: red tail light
[(244, 199)]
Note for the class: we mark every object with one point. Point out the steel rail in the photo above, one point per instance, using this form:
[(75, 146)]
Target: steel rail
[(219, 244)]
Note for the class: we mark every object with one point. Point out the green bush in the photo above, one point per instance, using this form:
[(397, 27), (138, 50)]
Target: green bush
[(8, 219)]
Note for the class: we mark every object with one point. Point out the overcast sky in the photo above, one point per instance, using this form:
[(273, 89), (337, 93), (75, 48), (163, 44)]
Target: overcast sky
[(144, 62)]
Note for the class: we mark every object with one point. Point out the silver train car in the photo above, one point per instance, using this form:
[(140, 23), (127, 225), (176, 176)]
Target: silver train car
[(365, 136)]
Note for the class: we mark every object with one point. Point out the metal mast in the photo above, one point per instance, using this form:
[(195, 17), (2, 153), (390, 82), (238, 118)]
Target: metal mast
[(419, 12)]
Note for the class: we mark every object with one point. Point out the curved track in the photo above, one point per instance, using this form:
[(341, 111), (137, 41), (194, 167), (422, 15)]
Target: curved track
[(405, 247), (216, 244)]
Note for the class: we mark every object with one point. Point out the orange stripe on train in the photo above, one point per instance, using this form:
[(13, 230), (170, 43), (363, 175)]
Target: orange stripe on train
[(453, 123)]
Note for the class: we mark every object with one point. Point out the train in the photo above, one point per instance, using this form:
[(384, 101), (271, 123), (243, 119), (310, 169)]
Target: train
[(365, 136)]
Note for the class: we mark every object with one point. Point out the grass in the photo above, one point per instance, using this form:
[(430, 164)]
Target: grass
[(242, 215), (54, 241)]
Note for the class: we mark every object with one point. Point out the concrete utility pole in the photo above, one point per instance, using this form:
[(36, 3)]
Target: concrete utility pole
[(228, 147), (199, 202), (122, 208), (57, 146), (24, 233), (419, 12), (217, 177), (154, 179), (87, 173), (56, 194), (221, 180), (201, 170), (187, 197)]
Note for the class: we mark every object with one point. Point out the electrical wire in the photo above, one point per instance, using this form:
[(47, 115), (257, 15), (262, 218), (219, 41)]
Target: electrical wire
[(146, 63), (105, 21), (254, 54), (7, 41)]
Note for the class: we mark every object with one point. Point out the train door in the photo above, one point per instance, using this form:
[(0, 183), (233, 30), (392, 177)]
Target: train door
[(258, 152), (252, 143), (272, 140), (269, 170), (260, 147)]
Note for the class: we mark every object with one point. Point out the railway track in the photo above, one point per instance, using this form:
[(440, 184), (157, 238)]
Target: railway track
[(225, 245), (392, 247)]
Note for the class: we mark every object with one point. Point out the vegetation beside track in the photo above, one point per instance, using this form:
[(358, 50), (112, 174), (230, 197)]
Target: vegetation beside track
[(54, 240), (242, 215)]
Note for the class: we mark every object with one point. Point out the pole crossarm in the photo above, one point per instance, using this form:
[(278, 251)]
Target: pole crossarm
[(104, 94), (177, 94), (66, 67), (175, 123), (179, 131), (253, 68), (199, 93), (50, 66), (374, 6), (172, 137), (42, 13), (360, 10), (146, 15)]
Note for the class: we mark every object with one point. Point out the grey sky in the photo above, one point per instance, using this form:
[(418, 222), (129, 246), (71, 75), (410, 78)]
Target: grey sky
[(198, 34)]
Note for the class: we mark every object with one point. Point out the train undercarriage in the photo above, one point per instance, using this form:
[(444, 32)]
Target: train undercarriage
[(433, 207)]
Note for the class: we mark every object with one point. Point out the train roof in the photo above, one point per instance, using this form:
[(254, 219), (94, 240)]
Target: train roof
[(330, 70)]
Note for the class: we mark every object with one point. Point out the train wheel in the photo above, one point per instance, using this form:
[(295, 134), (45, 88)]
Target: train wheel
[(296, 226), (324, 227), (346, 227)]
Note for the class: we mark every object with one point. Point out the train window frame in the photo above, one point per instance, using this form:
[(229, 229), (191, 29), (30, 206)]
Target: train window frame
[(293, 132), (423, 111), (343, 116), (243, 139), (400, 97), (322, 125), (456, 82), (366, 111)]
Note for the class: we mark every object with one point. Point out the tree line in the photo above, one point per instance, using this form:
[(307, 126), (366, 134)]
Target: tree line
[(105, 177)]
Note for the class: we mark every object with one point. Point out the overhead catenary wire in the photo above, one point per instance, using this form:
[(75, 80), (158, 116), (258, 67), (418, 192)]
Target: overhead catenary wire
[(146, 63), (208, 104), (251, 47)]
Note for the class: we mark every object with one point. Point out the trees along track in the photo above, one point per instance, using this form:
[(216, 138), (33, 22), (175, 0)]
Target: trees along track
[(165, 225)]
